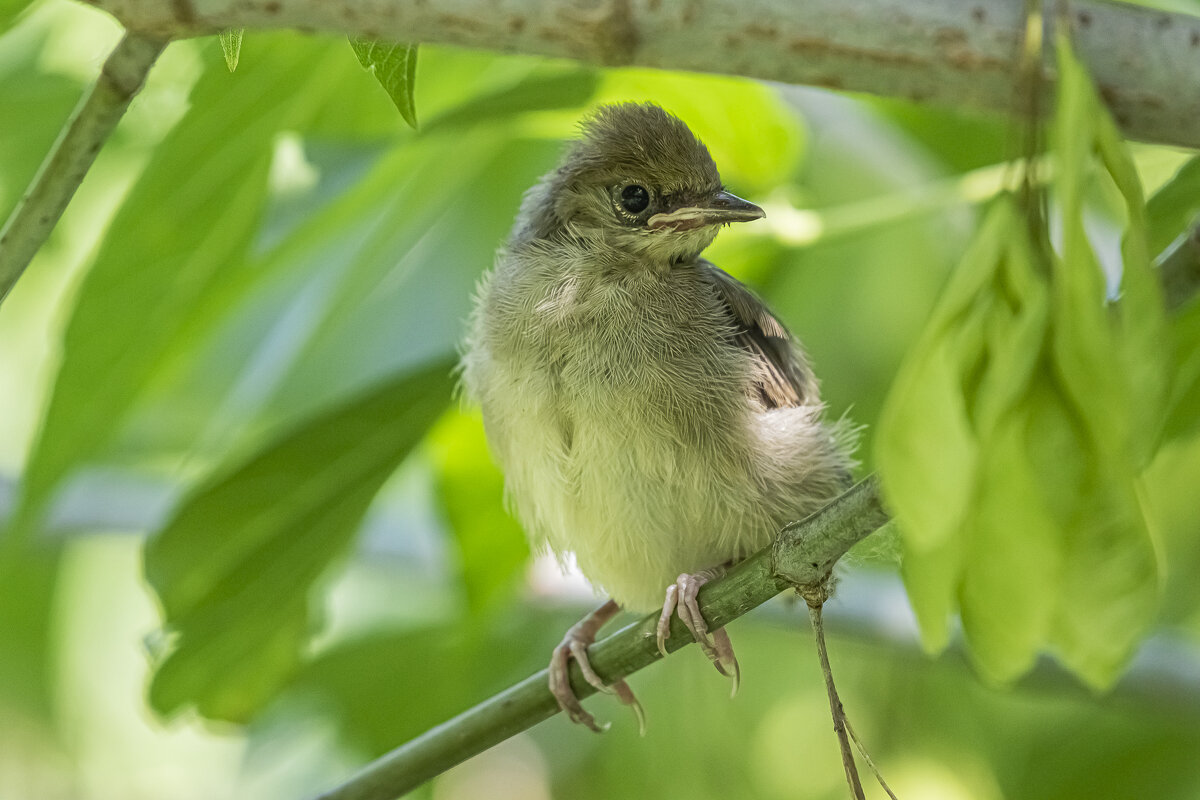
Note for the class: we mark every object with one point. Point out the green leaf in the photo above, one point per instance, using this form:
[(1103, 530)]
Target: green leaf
[(1174, 207), (1016, 330), (10, 10), (231, 46), (1107, 429), (1084, 342), (931, 579), (234, 566), (391, 686), (925, 447), (1122, 407), (30, 634), (1110, 584), (492, 548), (1013, 558), (537, 92), (395, 67), (927, 454), (1183, 407), (426, 267), (1143, 339), (181, 236), (42, 102), (1013, 544)]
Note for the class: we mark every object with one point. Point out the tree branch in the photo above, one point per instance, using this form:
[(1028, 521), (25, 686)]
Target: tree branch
[(38, 212), (802, 555), (948, 52)]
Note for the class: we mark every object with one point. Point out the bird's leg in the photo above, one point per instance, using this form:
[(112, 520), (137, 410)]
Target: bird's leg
[(574, 645), (681, 599)]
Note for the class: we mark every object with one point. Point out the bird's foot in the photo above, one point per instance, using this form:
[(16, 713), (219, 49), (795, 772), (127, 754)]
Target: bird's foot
[(574, 645), (681, 599)]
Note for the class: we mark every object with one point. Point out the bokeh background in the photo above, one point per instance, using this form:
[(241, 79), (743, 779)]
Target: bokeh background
[(258, 250)]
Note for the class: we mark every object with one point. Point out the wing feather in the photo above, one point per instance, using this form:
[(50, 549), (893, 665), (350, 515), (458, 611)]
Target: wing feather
[(783, 377)]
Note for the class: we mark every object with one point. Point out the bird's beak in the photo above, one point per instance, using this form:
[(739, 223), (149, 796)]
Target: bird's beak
[(716, 209)]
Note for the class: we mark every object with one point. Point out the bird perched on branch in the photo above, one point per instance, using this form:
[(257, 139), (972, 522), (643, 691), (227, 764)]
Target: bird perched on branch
[(651, 415)]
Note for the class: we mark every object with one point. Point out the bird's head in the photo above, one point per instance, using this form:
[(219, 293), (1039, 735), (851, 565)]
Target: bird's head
[(639, 180)]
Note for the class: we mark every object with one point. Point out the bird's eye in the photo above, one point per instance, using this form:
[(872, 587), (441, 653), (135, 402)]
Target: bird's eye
[(635, 199)]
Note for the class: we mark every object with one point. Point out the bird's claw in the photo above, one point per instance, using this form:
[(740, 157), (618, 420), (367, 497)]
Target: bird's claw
[(681, 599), (574, 645)]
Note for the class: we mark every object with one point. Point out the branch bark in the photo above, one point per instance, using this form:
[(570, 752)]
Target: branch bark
[(803, 555), (948, 52), (37, 213)]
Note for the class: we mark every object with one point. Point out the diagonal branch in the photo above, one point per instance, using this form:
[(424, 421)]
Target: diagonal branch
[(803, 555), (943, 52), (98, 113)]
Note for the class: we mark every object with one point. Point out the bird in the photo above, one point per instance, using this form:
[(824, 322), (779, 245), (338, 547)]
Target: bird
[(653, 419)]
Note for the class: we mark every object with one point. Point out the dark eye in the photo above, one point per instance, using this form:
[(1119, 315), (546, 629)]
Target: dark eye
[(635, 199)]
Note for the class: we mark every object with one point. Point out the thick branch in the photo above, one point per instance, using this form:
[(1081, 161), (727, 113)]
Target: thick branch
[(806, 551), (960, 53), (72, 155)]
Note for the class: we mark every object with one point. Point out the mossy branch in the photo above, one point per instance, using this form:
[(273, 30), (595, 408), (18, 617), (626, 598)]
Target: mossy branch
[(803, 555)]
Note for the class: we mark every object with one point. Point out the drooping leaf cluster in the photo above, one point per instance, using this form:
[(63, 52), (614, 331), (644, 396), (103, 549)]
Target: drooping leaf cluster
[(1013, 441)]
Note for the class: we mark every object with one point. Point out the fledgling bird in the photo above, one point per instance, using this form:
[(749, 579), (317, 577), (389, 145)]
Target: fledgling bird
[(651, 416)]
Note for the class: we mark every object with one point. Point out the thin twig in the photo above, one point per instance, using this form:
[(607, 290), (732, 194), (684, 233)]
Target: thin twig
[(835, 704), (801, 552), (862, 749), (71, 157)]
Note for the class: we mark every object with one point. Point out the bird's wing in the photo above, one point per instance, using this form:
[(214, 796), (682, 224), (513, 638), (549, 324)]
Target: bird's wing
[(783, 377)]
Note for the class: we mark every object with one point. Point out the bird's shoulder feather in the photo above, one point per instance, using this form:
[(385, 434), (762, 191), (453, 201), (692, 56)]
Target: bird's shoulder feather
[(783, 377)]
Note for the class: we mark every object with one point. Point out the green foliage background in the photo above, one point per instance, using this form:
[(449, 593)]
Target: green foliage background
[(252, 539)]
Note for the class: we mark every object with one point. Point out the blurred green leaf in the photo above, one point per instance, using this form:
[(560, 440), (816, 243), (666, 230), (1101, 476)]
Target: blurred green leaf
[(189, 218), (1045, 538), (1108, 426), (384, 248), (1110, 582), (392, 686), (1123, 407), (927, 457), (395, 67), (1014, 552), (27, 631), (1183, 407), (1009, 589), (234, 566), (1174, 207), (1084, 343), (961, 138), (407, 287), (543, 91), (492, 548), (1144, 343), (42, 102), (925, 448), (231, 46), (1016, 332), (10, 10), (178, 250)]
